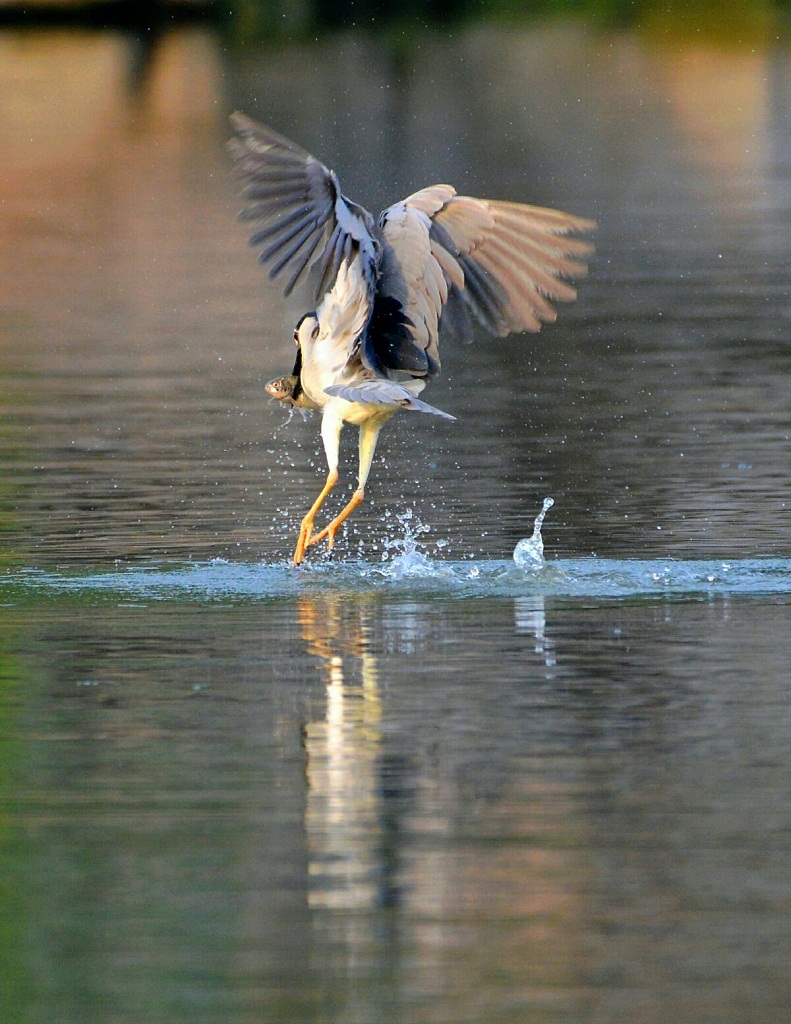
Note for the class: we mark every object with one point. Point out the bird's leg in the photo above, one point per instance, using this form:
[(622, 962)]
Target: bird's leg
[(306, 526), (331, 427), (331, 529), (369, 434)]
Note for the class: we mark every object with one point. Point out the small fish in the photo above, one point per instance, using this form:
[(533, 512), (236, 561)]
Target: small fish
[(284, 389), (288, 389)]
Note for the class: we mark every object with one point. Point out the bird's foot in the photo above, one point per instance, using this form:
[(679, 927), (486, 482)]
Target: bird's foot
[(306, 536), (327, 534), (307, 539), (330, 530), (303, 541)]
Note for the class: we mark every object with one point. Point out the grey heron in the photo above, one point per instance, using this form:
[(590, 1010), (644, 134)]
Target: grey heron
[(383, 288)]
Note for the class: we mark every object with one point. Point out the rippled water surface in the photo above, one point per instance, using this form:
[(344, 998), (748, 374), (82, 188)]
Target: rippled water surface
[(418, 782)]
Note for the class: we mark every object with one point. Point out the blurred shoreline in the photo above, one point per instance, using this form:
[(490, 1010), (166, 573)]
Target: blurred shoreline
[(248, 22)]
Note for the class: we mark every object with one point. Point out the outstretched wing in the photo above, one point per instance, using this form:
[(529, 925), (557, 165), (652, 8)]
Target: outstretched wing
[(295, 203), (505, 262)]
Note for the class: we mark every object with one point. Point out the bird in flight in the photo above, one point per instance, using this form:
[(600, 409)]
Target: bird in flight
[(383, 288)]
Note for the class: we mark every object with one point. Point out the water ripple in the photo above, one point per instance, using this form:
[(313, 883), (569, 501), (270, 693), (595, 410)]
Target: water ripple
[(409, 573)]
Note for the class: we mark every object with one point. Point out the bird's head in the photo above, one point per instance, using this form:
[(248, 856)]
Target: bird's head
[(307, 330), (288, 388)]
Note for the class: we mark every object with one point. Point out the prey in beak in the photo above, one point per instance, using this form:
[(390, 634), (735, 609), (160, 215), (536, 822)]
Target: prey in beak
[(288, 388)]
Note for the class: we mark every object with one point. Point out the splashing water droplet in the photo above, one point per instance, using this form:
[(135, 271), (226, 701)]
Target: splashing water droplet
[(293, 409), (406, 544), (530, 550)]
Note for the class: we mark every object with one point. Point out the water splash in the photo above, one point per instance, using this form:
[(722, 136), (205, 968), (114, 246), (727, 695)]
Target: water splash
[(401, 553), (530, 551), (292, 410), (409, 574)]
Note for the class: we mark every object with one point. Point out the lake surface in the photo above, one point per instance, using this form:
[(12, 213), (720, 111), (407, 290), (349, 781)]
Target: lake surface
[(417, 783)]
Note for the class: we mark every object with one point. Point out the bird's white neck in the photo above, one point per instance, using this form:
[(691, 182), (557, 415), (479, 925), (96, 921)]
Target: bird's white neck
[(342, 316)]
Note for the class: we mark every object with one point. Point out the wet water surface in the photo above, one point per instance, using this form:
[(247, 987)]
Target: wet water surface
[(419, 782)]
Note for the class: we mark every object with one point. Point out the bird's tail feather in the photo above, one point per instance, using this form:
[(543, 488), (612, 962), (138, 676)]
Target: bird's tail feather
[(384, 392), (415, 405)]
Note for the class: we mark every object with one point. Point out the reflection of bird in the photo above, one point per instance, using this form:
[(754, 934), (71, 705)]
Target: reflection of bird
[(371, 344), (347, 823)]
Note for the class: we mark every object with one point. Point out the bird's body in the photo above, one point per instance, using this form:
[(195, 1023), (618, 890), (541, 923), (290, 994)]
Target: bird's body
[(382, 288)]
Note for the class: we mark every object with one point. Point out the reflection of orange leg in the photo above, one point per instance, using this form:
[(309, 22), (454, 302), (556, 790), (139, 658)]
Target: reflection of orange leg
[(331, 529), (306, 527)]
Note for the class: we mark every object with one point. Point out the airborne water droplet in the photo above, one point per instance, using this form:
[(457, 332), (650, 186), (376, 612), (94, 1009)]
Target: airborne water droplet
[(530, 550)]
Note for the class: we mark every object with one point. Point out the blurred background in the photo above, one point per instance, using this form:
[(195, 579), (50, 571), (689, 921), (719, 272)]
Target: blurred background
[(137, 329)]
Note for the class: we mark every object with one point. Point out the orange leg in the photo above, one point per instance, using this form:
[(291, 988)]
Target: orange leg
[(331, 426), (306, 527), (331, 529), (369, 432)]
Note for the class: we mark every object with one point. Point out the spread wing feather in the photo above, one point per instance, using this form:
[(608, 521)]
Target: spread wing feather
[(296, 205), (434, 257), (505, 262)]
